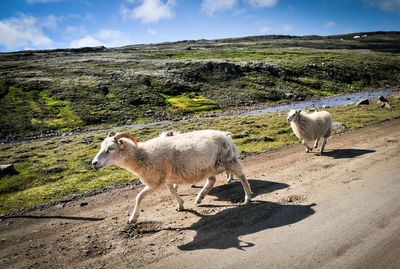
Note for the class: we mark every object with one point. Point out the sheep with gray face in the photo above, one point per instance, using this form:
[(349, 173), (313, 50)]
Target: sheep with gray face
[(184, 159), (309, 127)]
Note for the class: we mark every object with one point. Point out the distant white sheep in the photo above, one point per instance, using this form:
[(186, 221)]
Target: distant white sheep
[(309, 127), (184, 159)]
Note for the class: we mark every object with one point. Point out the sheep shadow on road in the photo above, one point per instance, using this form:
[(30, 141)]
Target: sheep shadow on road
[(222, 230), (51, 217), (234, 193), (347, 153)]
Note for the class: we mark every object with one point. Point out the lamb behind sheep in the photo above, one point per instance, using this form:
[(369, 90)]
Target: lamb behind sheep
[(311, 126), (184, 159), (169, 133)]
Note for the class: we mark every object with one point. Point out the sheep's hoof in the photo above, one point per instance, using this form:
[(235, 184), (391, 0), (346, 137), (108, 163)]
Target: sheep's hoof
[(131, 221), (247, 199), (180, 208)]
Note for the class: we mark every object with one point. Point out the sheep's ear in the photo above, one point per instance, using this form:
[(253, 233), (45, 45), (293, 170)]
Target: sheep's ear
[(121, 142), (111, 134), (298, 111)]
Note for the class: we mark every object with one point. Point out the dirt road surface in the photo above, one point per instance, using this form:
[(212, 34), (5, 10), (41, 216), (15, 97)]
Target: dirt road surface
[(339, 210)]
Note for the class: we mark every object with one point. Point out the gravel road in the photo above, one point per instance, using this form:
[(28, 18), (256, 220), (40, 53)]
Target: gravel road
[(338, 210)]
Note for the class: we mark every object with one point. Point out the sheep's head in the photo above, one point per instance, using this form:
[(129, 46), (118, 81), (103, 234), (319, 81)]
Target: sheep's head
[(293, 115), (111, 150), (169, 133)]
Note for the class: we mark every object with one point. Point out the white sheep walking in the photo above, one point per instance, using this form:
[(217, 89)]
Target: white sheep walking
[(309, 127), (184, 159), (169, 133)]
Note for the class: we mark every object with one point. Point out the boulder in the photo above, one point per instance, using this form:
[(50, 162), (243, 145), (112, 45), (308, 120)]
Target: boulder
[(364, 101), (382, 99), (7, 169), (386, 105)]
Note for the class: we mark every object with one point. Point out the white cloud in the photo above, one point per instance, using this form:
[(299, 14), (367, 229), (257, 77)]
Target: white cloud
[(87, 41), (287, 27), (71, 30), (150, 11), (151, 31), (211, 6), (107, 34), (330, 24), (265, 30), (50, 22), (105, 37), (386, 5), (42, 1), (23, 32), (349, 31), (262, 3)]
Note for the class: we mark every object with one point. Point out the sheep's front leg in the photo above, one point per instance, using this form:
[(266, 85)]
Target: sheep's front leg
[(229, 177), (308, 148), (172, 189), (175, 187), (139, 198), (316, 143), (206, 189), (323, 145)]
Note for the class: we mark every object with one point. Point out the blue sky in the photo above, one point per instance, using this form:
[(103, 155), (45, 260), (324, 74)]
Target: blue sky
[(48, 24)]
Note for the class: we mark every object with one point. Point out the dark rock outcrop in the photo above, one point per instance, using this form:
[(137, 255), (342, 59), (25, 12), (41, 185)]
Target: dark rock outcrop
[(364, 101)]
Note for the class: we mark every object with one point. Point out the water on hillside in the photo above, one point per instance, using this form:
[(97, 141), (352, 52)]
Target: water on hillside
[(341, 100)]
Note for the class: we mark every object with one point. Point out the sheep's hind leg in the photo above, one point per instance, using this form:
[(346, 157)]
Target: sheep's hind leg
[(323, 145), (237, 170), (206, 189), (308, 148), (139, 198), (172, 189), (316, 143), (247, 189)]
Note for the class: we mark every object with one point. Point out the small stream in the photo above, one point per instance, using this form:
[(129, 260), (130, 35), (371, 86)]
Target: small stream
[(338, 100)]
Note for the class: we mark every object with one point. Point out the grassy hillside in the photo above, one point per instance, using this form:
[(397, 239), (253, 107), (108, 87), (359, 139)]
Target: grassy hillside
[(44, 91)]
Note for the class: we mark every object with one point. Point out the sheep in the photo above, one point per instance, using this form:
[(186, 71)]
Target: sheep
[(169, 133), (311, 126), (184, 159)]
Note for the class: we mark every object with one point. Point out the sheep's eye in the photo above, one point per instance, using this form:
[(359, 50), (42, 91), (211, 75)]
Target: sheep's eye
[(109, 149)]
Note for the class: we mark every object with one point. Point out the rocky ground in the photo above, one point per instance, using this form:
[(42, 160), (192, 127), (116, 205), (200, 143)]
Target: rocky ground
[(338, 210)]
